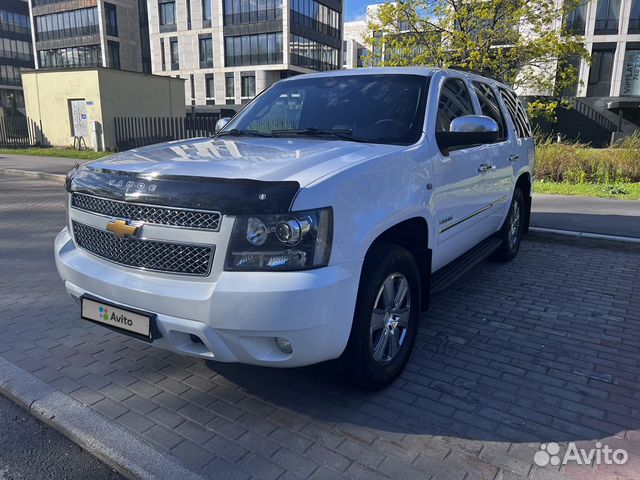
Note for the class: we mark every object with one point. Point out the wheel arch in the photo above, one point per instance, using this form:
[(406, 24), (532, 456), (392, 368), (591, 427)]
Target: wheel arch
[(413, 235), (524, 183)]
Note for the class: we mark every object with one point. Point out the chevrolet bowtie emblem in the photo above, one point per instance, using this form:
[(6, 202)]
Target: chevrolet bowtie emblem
[(121, 228)]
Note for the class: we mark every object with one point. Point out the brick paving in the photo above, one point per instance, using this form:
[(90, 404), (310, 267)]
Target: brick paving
[(544, 349)]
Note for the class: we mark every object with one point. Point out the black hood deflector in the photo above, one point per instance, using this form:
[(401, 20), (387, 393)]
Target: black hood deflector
[(227, 196)]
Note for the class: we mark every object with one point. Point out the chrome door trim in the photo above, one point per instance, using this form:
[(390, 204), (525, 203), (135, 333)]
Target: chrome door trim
[(499, 201)]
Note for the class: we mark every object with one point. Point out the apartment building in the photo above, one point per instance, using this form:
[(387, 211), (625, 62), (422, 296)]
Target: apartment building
[(227, 51), (354, 48), (90, 33), (16, 53)]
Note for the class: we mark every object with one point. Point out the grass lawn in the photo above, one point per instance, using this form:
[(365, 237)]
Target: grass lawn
[(620, 191), (56, 152)]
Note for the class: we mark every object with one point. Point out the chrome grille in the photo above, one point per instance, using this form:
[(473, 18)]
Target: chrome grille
[(178, 217), (147, 254)]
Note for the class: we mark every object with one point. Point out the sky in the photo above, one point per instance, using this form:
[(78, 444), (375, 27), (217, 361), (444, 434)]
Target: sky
[(357, 8)]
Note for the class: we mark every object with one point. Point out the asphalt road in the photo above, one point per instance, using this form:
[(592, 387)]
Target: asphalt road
[(31, 450), (586, 214)]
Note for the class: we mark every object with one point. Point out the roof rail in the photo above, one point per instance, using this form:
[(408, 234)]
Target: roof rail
[(477, 72)]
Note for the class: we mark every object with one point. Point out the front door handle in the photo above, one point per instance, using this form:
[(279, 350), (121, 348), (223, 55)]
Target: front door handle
[(485, 167), (513, 157)]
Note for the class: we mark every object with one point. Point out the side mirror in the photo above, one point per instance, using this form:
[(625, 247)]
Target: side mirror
[(467, 131), (220, 124)]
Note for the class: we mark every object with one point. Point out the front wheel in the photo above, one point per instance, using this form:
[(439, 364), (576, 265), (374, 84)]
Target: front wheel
[(512, 229), (386, 318)]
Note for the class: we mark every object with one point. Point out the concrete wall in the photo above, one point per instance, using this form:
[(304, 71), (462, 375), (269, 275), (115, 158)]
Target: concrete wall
[(107, 94)]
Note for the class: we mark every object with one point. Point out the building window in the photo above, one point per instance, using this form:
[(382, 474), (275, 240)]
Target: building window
[(72, 57), (631, 73), (74, 23), (344, 53), (209, 90), (192, 85), (572, 62), (634, 17), (262, 49), (316, 16), (576, 20), (248, 85), (251, 11), (206, 13), (188, 14), (362, 55), (162, 55), (15, 49), (114, 54), (601, 70), (313, 55), (206, 52), (10, 75), (14, 22), (607, 16), (229, 89), (111, 13), (167, 11), (173, 52)]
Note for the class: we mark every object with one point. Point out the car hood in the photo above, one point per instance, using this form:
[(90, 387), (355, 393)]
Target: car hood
[(301, 160)]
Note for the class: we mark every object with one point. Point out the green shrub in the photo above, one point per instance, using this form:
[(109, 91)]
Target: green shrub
[(579, 163)]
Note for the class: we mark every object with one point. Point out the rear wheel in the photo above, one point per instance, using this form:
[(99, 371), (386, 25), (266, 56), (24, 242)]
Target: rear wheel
[(386, 318), (512, 229)]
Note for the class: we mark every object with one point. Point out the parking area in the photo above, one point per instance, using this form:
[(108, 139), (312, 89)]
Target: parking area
[(544, 349)]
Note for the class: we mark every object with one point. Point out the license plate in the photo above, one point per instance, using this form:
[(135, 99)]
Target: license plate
[(116, 317)]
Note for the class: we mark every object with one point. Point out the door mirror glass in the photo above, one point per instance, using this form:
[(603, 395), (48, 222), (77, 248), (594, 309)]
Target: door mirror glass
[(467, 131), (220, 124)]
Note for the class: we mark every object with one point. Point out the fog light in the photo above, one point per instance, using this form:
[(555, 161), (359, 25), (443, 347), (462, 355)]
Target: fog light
[(284, 345)]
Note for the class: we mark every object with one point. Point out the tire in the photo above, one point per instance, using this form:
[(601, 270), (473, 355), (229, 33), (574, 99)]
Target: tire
[(387, 266), (512, 229)]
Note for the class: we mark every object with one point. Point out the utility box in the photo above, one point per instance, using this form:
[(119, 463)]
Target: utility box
[(68, 105)]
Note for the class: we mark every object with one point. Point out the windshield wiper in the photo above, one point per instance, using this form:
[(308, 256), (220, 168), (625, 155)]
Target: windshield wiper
[(240, 133), (343, 134)]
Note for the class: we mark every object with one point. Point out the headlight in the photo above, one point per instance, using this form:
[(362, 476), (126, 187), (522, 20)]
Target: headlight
[(291, 241)]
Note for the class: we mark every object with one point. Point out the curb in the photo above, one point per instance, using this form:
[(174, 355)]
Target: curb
[(32, 174), (597, 236), (131, 456)]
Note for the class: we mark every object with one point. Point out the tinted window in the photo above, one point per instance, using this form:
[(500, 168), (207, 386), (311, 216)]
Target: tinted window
[(517, 113), (373, 108), (454, 102), (489, 107)]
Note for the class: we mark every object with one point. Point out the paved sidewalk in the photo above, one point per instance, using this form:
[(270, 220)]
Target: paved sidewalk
[(543, 349), (31, 163), (586, 214)]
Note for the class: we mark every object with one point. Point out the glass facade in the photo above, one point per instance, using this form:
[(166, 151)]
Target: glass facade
[(206, 52), (631, 73), (74, 23), (10, 75), (111, 13), (634, 17), (576, 21), (72, 57), (14, 22), (314, 55), (251, 11), (316, 16), (15, 49), (262, 49), (607, 17)]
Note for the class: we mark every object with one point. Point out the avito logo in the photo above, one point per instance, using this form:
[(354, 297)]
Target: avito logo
[(122, 318)]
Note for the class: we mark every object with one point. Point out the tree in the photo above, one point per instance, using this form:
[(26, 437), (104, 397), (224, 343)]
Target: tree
[(524, 43)]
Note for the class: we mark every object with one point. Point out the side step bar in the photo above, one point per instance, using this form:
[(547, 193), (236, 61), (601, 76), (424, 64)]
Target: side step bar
[(451, 272)]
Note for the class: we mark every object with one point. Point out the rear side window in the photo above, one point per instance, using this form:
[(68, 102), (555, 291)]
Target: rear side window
[(517, 113), (454, 102), (490, 108)]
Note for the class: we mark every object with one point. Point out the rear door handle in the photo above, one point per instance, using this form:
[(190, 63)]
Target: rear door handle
[(513, 157), (485, 167)]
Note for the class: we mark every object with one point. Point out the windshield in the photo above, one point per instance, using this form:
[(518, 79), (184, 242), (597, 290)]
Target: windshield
[(386, 108)]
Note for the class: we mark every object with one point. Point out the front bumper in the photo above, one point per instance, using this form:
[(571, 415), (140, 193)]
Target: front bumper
[(237, 316)]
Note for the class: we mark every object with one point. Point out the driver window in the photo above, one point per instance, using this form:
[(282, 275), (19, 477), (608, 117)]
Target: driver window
[(454, 102)]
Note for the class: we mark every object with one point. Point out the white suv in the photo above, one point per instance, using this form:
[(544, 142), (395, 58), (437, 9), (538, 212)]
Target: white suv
[(313, 226)]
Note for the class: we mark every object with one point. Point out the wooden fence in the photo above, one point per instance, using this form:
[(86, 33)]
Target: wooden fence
[(16, 131), (133, 132)]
